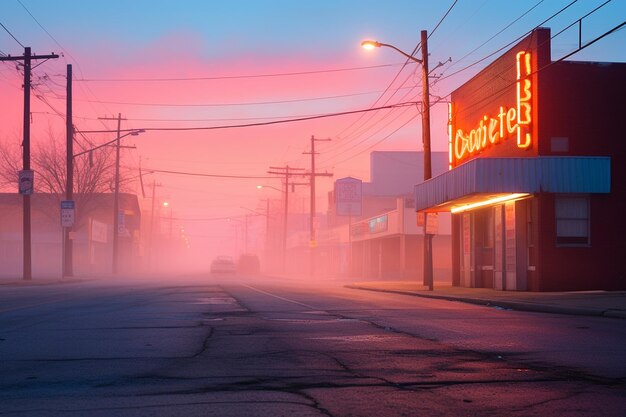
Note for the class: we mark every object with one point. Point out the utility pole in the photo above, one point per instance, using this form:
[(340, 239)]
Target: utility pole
[(68, 260), (116, 195), (428, 238), (313, 174), (287, 171), (27, 58)]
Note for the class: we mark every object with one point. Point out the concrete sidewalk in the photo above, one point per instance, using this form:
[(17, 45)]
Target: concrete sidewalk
[(584, 303)]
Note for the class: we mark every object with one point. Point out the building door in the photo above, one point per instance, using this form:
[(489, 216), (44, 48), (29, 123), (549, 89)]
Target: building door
[(467, 263), (483, 247), (510, 255), (498, 247)]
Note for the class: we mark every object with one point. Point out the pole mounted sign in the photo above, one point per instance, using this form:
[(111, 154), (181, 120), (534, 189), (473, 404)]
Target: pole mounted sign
[(68, 213), (349, 196), (26, 180)]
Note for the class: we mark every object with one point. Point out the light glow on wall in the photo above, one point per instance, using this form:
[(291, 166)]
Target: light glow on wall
[(483, 203)]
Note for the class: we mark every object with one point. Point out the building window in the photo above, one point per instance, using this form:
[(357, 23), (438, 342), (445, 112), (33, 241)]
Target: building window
[(572, 221)]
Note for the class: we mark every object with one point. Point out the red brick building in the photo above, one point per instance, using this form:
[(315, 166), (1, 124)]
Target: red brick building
[(537, 184)]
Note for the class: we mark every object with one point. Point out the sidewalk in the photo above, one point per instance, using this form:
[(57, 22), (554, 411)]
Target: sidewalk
[(583, 303)]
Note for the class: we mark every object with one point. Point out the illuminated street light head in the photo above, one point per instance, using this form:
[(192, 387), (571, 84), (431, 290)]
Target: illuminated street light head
[(370, 44), (375, 44), (165, 204)]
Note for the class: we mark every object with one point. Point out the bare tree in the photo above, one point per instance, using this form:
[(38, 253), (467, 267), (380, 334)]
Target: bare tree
[(94, 173), (10, 164)]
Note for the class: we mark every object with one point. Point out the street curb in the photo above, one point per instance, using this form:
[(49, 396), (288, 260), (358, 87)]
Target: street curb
[(512, 305), (37, 283)]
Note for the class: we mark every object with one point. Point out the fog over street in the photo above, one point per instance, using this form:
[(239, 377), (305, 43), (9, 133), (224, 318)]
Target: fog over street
[(229, 346)]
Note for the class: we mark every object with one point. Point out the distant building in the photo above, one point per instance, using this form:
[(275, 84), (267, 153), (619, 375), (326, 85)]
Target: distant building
[(393, 174), (537, 186), (92, 235), (385, 242)]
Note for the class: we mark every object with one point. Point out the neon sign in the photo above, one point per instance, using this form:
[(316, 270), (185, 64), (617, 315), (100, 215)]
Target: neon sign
[(507, 122)]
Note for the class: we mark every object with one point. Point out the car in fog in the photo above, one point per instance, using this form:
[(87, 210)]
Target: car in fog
[(223, 265), (248, 264)]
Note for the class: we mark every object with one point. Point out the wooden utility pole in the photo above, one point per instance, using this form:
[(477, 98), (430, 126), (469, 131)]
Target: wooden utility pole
[(287, 172), (116, 196), (27, 58), (68, 259), (313, 174), (428, 238)]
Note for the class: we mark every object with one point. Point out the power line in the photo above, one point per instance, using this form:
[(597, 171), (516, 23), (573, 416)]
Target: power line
[(300, 119), (254, 103), (443, 18), (511, 65), (363, 140), (507, 86), (197, 174), (236, 77), (510, 43), (84, 88), (503, 29), (9, 32), (417, 47), (40, 25), (378, 142), (363, 129)]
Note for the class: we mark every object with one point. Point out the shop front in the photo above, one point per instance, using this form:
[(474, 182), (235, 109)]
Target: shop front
[(534, 187)]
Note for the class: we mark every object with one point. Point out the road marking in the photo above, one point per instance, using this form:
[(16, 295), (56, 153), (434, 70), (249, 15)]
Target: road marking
[(280, 298)]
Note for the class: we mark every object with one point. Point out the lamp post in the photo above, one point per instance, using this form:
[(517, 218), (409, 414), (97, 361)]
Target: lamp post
[(116, 197), (428, 254), (167, 204), (116, 193)]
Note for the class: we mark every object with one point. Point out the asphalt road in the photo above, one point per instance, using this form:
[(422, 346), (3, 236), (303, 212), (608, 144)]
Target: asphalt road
[(226, 347)]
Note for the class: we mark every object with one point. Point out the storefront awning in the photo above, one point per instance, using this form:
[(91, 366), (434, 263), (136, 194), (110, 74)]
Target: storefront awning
[(485, 179)]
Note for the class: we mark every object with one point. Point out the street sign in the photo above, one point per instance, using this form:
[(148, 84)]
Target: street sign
[(432, 224), (26, 181), (121, 224), (348, 196), (68, 213)]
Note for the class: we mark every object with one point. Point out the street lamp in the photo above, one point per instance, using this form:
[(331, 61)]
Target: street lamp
[(260, 187), (116, 199), (369, 45), (116, 194), (167, 204), (428, 254)]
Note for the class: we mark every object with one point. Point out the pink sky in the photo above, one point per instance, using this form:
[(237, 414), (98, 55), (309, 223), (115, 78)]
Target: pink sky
[(263, 39), (236, 151)]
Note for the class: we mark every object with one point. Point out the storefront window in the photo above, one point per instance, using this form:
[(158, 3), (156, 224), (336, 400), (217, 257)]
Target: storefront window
[(572, 220)]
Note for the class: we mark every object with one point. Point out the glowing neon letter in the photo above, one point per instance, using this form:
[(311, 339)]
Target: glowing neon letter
[(504, 124), (524, 97)]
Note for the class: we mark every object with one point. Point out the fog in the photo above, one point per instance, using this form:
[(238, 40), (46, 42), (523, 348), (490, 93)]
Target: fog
[(166, 245)]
